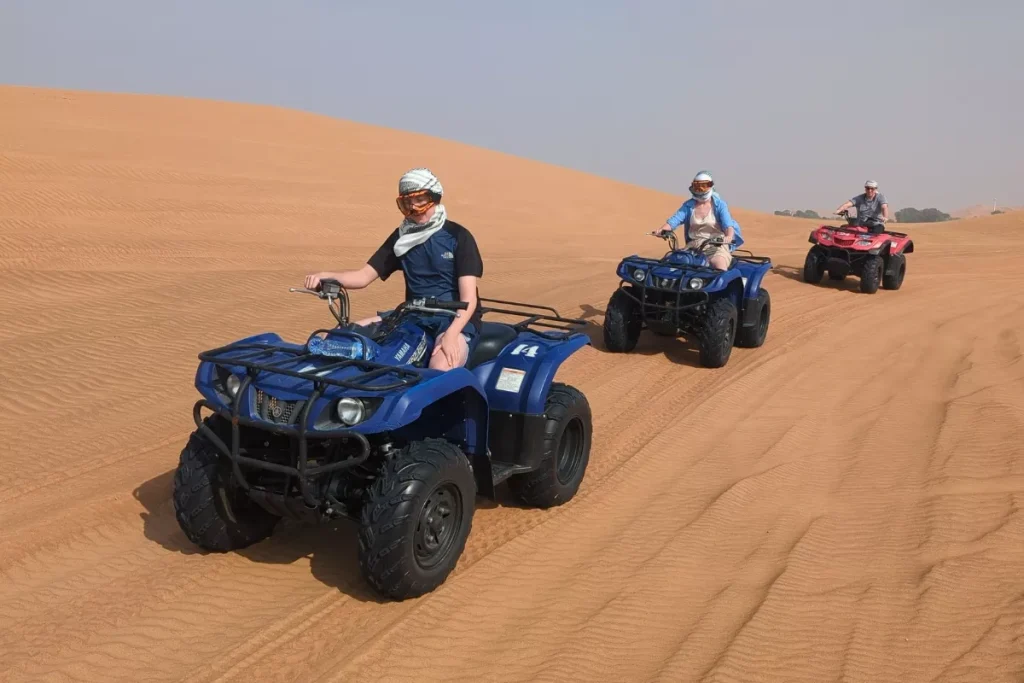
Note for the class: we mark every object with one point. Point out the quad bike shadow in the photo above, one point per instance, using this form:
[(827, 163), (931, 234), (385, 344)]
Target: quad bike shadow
[(332, 556), (796, 274)]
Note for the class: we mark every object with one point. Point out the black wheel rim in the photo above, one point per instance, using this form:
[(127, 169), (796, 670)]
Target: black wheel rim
[(438, 525), (570, 451)]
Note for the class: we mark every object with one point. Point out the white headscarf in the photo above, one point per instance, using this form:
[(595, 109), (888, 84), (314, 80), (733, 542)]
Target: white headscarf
[(411, 233)]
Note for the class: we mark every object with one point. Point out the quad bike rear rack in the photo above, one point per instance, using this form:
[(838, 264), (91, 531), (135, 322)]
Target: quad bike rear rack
[(550, 319)]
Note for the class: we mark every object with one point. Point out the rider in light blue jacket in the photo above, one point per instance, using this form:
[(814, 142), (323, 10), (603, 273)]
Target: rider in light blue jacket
[(706, 216)]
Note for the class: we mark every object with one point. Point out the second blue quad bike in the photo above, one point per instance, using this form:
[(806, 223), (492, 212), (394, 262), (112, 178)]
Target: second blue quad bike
[(682, 295), (354, 424)]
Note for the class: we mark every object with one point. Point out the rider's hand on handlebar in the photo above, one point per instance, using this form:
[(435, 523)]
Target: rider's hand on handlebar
[(663, 229), (313, 281)]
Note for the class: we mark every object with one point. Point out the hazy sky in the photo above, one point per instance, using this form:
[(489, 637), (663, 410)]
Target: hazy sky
[(790, 103)]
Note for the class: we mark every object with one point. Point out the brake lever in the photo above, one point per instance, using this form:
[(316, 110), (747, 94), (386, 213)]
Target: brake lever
[(305, 290)]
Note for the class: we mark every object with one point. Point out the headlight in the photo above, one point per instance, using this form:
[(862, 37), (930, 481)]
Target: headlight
[(638, 275), (695, 283), (351, 411), (233, 383)]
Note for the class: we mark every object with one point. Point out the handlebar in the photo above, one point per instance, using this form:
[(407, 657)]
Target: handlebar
[(432, 305), (332, 291), (327, 289), (669, 237), (674, 244)]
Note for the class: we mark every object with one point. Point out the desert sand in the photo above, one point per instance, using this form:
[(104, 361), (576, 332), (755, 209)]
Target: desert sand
[(843, 504)]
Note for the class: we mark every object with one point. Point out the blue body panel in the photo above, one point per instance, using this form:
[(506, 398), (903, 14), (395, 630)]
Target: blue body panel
[(517, 381), (434, 396)]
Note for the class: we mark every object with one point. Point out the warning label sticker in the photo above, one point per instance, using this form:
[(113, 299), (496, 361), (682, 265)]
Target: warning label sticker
[(510, 380)]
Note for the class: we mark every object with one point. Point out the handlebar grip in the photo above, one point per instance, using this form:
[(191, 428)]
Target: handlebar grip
[(443, 305), (451, 305)]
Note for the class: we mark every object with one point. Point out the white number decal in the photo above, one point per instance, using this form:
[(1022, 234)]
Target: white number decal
[(526, 349)]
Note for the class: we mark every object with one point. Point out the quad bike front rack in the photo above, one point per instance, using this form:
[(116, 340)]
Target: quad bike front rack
[(252, 357)]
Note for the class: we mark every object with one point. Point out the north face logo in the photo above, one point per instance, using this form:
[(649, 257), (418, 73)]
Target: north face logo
[(448, 255)]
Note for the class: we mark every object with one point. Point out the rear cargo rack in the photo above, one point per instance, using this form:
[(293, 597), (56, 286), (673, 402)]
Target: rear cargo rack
[(549, 321)]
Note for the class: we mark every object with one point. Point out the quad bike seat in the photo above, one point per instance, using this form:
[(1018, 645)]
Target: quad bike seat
[(493, 337)]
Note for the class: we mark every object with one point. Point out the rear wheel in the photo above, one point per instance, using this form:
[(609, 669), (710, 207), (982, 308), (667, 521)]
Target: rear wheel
[(754, 336), (893, 278), (871, 274), (716, 333), (814, 267), (621, 323), (567, 435), (416, 518), (211, 509)]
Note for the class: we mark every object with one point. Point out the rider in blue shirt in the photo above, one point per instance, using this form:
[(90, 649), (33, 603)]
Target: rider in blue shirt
[(439, 259)]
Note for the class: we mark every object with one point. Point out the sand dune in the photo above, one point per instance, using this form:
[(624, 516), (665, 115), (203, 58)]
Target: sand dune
[(842, 504)]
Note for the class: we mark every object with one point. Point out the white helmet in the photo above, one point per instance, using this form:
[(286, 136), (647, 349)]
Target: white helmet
[(871, 184), (702, 186)]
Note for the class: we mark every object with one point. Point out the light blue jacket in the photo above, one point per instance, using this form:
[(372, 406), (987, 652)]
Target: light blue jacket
[(722, 217)]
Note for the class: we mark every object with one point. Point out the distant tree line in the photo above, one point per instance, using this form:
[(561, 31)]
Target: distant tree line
[(798, 214), (911, 215), (908, 215)]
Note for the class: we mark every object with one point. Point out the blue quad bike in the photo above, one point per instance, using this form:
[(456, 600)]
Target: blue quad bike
[(681, 294), (354, 424)]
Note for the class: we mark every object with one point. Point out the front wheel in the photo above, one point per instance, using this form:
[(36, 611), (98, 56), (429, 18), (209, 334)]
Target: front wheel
[(871, 274), (567, 435), (416, 518), (716, 333), (211, 509), (621, 322)]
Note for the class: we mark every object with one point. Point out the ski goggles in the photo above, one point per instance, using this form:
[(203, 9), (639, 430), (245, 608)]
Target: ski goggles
[(700, 186), (415, 203)]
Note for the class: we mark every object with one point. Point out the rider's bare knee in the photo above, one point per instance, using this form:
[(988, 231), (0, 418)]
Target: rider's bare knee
[(439, 361)]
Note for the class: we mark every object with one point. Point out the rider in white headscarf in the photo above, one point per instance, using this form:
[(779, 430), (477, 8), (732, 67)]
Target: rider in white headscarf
[(418, 191), (439, 259)]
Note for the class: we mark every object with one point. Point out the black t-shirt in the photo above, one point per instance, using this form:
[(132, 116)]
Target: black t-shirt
[(433, 268)]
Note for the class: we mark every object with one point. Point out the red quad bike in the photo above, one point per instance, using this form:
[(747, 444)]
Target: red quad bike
[(862, 248)]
